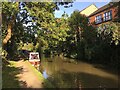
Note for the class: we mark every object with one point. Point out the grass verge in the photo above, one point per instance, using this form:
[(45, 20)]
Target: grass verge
[(9, 79), (46, 84)]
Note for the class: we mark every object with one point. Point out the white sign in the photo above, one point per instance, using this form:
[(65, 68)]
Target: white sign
[(34, 56)]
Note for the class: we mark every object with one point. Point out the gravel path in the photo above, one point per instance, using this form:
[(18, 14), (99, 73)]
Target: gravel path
[(28, 78)]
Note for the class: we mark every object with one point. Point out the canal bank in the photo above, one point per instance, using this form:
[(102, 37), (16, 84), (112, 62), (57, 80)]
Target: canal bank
[(21, 74)]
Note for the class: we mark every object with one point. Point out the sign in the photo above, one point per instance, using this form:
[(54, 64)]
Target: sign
[(34, 58)]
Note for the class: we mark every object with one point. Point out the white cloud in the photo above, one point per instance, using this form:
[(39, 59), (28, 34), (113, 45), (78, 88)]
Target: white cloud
[(58, 12)]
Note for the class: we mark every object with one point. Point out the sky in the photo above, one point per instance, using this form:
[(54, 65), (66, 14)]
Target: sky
[(77, 5)]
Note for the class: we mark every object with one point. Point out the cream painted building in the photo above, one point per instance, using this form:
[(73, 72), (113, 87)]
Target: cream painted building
[(89, 10)]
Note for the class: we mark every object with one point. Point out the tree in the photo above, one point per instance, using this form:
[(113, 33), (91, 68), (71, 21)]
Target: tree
[(108, 43), (110, 32), (89, 38), (78, 24), (25, 19), (9, 13)]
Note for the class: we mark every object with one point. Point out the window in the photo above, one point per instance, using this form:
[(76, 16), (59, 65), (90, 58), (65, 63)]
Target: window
[(108, 15), (98, 19)]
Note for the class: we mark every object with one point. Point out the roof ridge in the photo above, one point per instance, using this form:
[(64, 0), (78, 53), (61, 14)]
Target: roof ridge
[(89, 6), (94, 5), (100, 8)]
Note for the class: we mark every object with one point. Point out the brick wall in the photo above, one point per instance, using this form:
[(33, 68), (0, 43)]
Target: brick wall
[(114, 12)]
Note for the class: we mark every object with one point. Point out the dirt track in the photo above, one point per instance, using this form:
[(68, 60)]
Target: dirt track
[(27, 76)]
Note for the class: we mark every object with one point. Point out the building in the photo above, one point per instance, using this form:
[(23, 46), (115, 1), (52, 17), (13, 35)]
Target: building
[(105, 14), (89, 10)]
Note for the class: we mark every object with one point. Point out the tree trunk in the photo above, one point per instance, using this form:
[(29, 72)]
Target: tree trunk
[(10, 25), (8, 36), (9, 31)]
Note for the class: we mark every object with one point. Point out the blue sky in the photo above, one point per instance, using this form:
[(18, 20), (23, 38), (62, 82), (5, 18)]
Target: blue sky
[(78, 6)]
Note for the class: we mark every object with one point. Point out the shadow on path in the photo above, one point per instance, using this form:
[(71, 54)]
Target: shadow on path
[(9, 78)]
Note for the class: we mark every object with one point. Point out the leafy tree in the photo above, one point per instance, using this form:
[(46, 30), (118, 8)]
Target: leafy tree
[(9, 13), (62, 29), (110, 32), (77, 23), (108, 43), (22, 20), (79, 30), (89, 37), (45, 23), (55, 35)]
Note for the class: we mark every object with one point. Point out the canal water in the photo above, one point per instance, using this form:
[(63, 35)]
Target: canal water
[(63, 72)]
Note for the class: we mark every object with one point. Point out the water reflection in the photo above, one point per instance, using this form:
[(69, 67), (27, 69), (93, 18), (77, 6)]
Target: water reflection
[(45, 75), (71, 75)]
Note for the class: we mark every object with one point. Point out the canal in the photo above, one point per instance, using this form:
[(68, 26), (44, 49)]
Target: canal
[(63, 72)]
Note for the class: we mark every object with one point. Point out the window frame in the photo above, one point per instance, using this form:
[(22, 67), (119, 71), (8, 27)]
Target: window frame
[(107, 15), (98, 19)]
